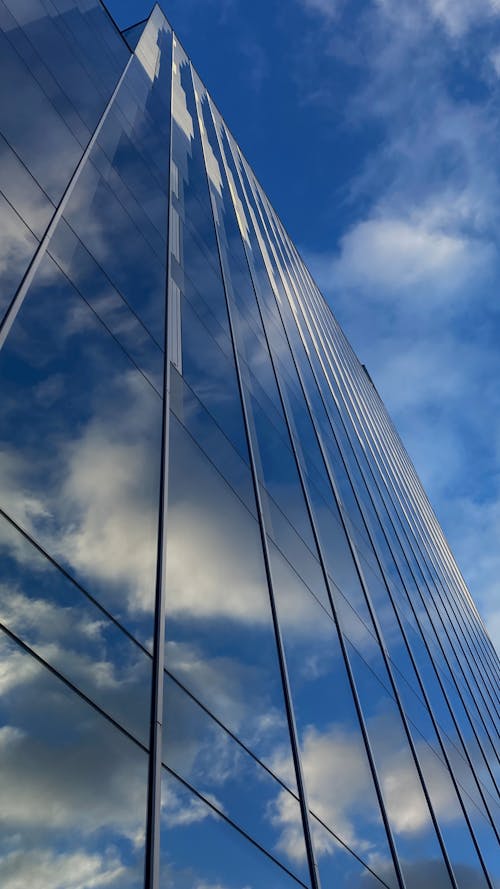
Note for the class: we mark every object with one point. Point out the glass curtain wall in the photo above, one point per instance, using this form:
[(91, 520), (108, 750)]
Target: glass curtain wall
[(236, 649)]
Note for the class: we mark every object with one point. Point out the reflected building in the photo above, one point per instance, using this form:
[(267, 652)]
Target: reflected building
[(236, 650)]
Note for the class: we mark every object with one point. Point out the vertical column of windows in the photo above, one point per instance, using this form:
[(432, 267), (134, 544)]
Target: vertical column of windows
[(218, 190), (80, 424), (224, 715)]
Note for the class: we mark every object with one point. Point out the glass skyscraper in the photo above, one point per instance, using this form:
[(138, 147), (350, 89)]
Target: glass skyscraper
[(236, 651)]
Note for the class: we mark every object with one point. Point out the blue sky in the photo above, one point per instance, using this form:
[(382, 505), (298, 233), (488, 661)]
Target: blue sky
[(373, 127)]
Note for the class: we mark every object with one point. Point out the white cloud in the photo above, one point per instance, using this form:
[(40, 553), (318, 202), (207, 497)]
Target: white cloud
[(388, 256), (232, 587), (25, 614), (15, 670), (337, 777), (178, 810), (454, 18), (494, 58), (458, 16), (94, 505), (45, 869), (108, 486), (338, 783), (49, 772), (57, 794), (328, 9)]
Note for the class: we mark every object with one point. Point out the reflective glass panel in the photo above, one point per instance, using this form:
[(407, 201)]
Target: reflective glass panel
[(73, 786), (337, 773), (224, 858), (220, 637), (80, 448), (52, 616), (202, 752)]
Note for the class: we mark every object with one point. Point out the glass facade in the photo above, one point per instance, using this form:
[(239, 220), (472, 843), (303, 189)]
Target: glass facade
[(236, 651)]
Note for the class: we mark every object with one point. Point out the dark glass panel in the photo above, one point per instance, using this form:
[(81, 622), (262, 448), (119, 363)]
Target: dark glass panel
[(32, 121), (210, 438), (94, 286), (57, 621), (73, 786), (199, 750), (224, 858), (277, 469), (211, 375), (407, 808), (293, 548), (93, 38), (200, 282), (75, 68), (305, 436), (337, 552), (220, 638), (116, 240), (338, 867), (132, 156), (17, 246), (338, 778), (80, 442)]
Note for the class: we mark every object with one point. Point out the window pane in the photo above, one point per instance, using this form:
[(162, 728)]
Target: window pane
[(73, 786), (80, 448), (223, 858), (338, 778), (17, 246), (57, 621), (220, 638), (199, 750)]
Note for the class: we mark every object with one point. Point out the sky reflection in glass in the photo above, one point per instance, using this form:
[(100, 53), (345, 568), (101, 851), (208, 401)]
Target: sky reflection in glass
[(324, 706)]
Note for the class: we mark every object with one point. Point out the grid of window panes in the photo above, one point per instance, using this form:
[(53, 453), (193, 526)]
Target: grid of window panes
[(236, 649)]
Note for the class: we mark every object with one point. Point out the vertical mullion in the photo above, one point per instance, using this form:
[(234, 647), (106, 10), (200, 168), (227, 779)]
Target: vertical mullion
[(313, 867), (153, 826), (36, 260)]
